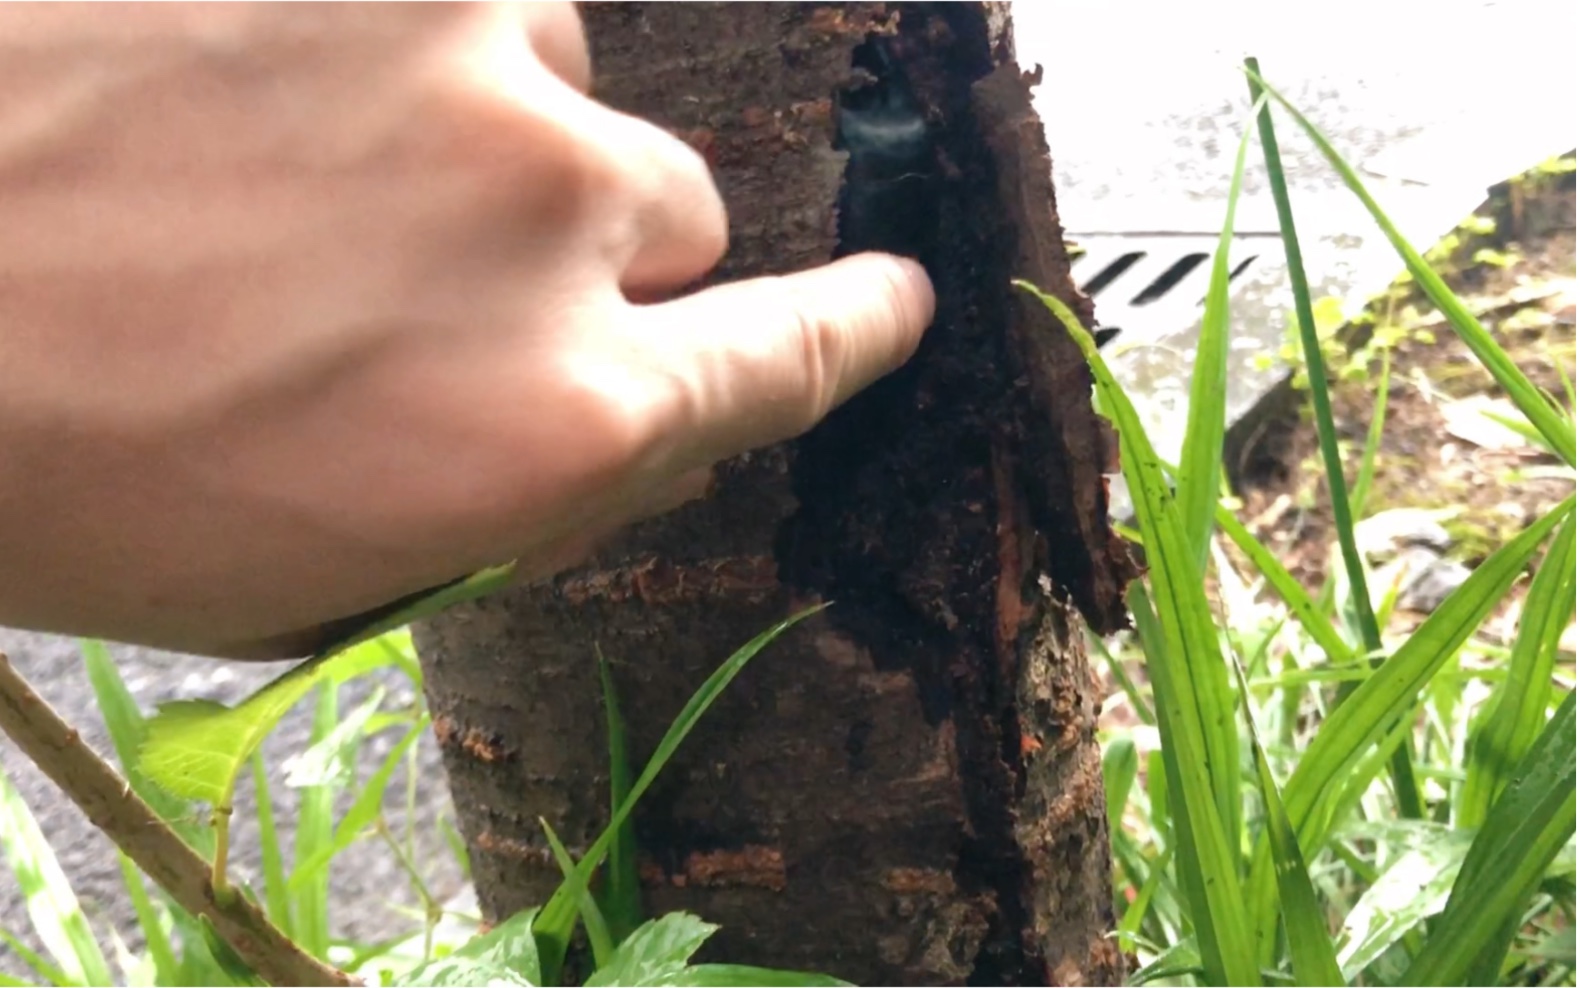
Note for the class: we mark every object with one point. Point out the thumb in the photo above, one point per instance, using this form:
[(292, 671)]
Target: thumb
[(757, 362)]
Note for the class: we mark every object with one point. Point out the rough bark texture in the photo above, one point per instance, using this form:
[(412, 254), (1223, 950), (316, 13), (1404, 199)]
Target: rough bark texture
[(905, 789)]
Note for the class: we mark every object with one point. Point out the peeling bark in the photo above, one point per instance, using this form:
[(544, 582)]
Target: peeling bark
[(905, 789)]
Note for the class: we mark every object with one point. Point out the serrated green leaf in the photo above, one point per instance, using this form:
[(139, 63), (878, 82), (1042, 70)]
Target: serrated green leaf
[(195, 749), (128, 729), (412, 608), (505, 955), (655, 952)]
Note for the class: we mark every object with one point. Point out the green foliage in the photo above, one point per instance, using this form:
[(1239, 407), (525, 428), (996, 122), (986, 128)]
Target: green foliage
[(505, 955), (1466, 874)]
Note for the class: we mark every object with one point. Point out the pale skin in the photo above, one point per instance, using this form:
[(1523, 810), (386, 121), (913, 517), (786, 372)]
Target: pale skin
[(305, 308)]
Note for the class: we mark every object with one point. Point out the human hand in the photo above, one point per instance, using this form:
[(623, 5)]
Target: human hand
[(306, 308)]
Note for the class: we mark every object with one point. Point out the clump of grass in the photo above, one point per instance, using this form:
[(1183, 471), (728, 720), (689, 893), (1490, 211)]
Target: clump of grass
[(1323, 805)]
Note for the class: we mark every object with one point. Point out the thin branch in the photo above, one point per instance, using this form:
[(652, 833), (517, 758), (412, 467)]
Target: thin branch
[(101, 793)]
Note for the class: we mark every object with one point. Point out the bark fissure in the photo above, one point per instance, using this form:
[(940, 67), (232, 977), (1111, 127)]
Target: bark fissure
[(906, 788)]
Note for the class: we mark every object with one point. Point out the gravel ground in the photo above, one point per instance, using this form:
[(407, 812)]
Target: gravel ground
[(1143, 108)]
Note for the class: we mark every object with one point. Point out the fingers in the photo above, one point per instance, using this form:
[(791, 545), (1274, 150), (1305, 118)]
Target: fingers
[(554, 33), (757, 362), (678, 230)]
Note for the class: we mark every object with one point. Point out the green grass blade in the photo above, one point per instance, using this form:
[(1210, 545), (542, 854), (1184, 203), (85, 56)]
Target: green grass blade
[(166, 967), (1373, 710), (1532, 819), (1201, 456), (276, 899), (621, 898), (1364, 476), (40, 966), (1116, 669), (554, 924), (57, 916), (1120, 765), (364, 809), (309, 886), (1305, 610), (457, 846), (1317, 372), (1193, 700), (1511, 718), (592, 917), (1310, 948), (1554, 427), (1406, 790)]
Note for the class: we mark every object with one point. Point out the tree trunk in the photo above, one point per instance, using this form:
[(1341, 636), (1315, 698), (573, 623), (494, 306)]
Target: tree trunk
[(906, 788)]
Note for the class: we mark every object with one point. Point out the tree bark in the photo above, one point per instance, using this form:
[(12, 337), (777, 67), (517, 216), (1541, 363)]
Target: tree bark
[(906, 788)]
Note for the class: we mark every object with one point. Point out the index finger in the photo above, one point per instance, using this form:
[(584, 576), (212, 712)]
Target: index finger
[(760, 361)]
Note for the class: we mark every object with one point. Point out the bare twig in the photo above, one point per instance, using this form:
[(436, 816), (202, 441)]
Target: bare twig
[(136, 829)]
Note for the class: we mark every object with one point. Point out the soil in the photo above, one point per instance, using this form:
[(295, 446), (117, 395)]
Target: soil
[(1513, 263)]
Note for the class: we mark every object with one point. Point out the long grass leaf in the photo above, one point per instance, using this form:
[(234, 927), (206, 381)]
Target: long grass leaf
[(1362, 487), (44, 969), (363, 810), (1310, 948), (1512, 717), (598, 937), (1406, 789), (1532, 819), (1305, 610), (1316, 372), (1558, 431), (1201, 456), (57, 915), (553, 926), (1193, 701), (309, 881), (276, 897), (166, 967), (621, 899)]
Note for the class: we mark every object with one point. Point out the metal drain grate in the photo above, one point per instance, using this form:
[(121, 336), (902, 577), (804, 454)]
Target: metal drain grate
[(1151, 285)]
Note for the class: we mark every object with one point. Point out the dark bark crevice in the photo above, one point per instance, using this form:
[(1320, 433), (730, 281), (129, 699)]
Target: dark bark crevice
[(906, 788)]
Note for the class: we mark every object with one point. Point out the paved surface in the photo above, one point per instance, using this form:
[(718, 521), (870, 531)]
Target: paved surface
[(1144, 105)]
